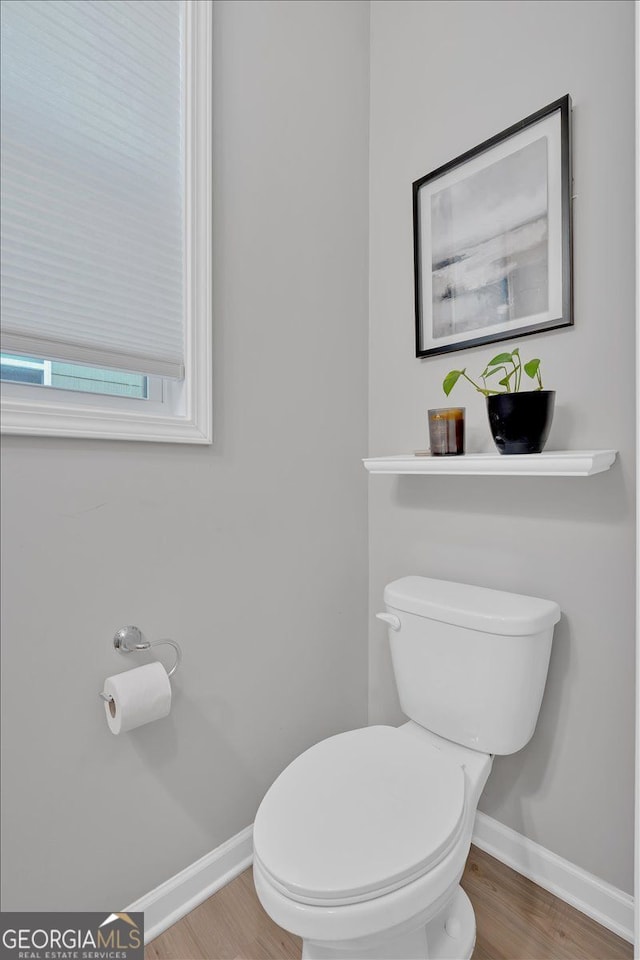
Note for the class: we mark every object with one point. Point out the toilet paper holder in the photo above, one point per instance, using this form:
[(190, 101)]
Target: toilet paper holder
[(130, 640)]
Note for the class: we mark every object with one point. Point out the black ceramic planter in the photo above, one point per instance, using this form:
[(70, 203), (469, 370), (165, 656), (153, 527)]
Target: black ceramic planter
[(520, 422)]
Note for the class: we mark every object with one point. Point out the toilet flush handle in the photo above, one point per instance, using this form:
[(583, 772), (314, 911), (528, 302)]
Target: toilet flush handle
[(390, 619)]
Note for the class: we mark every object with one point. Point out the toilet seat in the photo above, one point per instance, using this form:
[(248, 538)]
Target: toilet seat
[(359, 815)]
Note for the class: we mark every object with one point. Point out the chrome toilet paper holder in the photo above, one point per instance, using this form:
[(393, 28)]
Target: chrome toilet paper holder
[(130, 639)]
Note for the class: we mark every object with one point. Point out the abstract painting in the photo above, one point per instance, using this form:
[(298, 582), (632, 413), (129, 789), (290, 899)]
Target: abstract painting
[(492, 241)]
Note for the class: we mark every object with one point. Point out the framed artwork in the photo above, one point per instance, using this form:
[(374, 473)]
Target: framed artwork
[(492, 238)]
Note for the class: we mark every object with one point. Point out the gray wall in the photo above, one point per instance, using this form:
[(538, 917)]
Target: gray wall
[(252, 552), (444, 77)]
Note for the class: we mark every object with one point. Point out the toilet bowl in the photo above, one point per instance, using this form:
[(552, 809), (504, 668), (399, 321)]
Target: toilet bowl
[(363, 839), (360, 843)]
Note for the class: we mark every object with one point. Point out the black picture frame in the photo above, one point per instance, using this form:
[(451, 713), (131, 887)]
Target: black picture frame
[(463, 287)]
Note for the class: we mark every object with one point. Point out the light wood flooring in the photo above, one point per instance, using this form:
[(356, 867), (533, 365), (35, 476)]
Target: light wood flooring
[(516, 919)]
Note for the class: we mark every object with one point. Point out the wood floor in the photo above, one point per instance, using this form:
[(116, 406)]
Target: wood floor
[(516, 919)]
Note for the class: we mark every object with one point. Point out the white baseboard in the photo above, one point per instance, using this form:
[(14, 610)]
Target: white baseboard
[(605, 904), (182, 893)]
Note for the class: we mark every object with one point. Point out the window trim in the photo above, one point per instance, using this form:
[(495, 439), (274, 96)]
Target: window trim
[(82, 415)]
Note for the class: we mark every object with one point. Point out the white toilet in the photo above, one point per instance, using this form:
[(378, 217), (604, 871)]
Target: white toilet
[(360, 843)]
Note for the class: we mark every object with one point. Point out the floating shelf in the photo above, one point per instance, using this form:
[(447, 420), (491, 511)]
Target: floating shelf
[(555, 463)]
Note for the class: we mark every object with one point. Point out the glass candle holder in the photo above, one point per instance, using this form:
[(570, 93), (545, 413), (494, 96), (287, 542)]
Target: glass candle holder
[(446, 431)]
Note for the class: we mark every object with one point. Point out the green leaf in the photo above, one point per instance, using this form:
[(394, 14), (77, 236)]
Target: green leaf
[(531, 368), (501, 358), (504, 383), (450, 380), (492, 373)]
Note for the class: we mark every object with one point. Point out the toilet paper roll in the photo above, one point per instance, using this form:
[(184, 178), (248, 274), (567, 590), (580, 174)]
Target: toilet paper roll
[(139, 696)]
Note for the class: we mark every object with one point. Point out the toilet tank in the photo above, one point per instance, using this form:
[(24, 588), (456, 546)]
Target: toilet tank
[(470, 663)]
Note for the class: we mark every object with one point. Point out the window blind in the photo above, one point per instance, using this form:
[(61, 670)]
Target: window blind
[(92, 182)]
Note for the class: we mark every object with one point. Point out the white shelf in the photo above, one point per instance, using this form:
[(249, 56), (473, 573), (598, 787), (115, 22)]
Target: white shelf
[(554, 463)]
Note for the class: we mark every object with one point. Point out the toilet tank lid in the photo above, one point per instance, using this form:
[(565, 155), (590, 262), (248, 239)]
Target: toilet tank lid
[(478, 608)]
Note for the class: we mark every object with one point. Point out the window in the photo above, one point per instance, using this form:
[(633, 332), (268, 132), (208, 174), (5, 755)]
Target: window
[(73, 376), (106, 219)]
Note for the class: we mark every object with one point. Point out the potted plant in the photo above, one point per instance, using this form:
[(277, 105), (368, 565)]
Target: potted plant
[(519, 419)]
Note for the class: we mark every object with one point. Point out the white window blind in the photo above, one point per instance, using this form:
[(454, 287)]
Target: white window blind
[(92, 182)]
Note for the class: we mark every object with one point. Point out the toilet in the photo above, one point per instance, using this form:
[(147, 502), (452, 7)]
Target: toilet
[(360, 844)]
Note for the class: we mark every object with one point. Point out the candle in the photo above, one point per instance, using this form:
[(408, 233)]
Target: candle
[(446, 431)]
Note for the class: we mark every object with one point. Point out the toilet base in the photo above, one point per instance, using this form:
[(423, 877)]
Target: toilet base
[(450, 935)]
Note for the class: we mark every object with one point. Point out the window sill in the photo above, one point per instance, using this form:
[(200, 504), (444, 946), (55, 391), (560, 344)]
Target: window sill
[(94, 422)]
